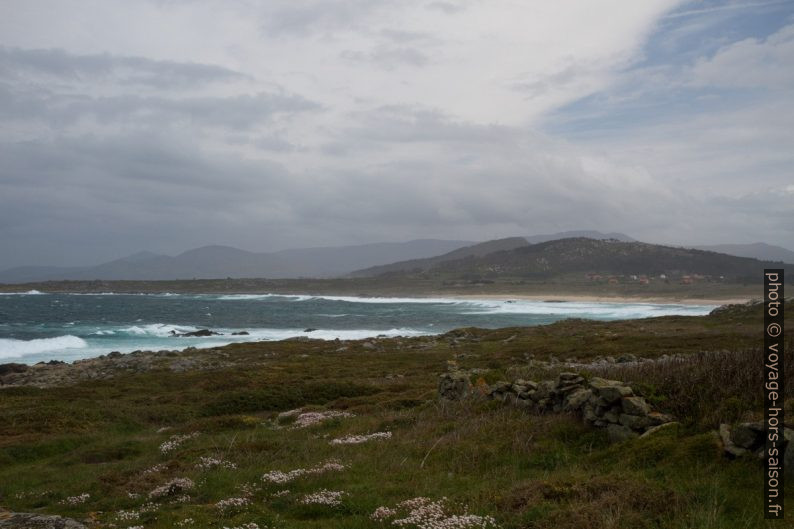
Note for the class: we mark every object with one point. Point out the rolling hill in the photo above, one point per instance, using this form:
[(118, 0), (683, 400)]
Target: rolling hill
[(582, 256)]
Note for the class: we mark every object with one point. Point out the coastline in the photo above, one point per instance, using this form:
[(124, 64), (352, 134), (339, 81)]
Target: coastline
[(603, 299)]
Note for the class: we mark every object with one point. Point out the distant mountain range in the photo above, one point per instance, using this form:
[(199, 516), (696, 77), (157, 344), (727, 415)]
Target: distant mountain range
[(366, 260), (578, 256), (757, 250), (212, 262)]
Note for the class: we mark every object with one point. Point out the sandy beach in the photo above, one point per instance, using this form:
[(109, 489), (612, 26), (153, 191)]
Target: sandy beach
[(603, 299)]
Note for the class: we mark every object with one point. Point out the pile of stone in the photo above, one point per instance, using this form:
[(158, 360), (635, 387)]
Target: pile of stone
[(748, 438), (602, 403)]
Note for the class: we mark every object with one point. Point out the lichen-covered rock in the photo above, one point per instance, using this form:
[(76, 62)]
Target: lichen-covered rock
[(727, 443), (635, 406), (454, 385), (576, 399), (11, 520)]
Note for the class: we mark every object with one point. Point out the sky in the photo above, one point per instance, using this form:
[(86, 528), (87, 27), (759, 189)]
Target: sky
[(165, 125)]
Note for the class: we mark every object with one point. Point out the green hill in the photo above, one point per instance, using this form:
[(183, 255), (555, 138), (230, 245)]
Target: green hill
[(597, 259)]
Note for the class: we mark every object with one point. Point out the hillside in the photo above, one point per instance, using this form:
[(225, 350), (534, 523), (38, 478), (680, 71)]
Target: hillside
[(600, 259), (413, 265)]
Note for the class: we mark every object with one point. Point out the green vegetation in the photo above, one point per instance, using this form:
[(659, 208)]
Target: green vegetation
[(106, 438)]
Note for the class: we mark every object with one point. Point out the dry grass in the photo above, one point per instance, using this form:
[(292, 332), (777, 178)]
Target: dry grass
[(704, 389)]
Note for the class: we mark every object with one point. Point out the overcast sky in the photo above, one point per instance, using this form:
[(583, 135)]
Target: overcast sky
[(164, 125)]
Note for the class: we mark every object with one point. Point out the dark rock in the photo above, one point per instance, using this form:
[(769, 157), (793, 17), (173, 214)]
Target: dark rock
[(454, 385), (635, 406), (240, 333), (618, 432), (748, 435), (310, 329), (5, 369), (635, 422), (114, 354), (198, 333)]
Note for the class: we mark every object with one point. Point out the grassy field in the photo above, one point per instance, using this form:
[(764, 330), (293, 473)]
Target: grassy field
[(208, 449)]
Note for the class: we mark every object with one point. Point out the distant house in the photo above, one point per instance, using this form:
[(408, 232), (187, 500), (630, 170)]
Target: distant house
[(686, 280), (613, 280)]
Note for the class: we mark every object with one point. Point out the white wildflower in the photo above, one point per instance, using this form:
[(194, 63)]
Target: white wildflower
[(76, 500), (175, 440), (358, 439), (233, 503), (172, 488), (324, 497), (206, 463), (277, 476), (312, 418)]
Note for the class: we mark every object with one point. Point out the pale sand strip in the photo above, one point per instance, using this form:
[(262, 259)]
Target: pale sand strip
[(601, 299)]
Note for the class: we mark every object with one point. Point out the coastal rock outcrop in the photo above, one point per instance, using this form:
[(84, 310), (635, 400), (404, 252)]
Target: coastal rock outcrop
[(198, 333)]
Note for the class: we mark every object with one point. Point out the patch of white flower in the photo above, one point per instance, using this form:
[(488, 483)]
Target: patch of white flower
[(233, 503), (206, 463), (172, 488), (313, 418), (76, 500), (175, 441), (331, 498), (277, 476), (423, 513), (358, 439)]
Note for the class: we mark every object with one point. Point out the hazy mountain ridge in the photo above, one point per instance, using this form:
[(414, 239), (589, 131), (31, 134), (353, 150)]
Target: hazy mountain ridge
[(213, 262), (756, 250)]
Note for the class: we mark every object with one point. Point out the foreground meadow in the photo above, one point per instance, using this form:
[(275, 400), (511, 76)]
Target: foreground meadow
[(351, 434)]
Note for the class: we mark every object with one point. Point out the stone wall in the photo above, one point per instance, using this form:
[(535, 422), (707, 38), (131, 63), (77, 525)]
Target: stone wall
[(601, 403)]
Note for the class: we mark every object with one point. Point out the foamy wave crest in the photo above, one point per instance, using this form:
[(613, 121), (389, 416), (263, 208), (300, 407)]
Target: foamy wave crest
[(586, 309), (380, 300), (155, 329), (10, 347), (254, 297), (28, 293)]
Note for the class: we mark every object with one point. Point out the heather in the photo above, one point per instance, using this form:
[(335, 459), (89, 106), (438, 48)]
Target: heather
[(313, 434)]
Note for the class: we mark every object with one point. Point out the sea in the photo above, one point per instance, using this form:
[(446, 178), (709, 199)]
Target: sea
[(39, 327)]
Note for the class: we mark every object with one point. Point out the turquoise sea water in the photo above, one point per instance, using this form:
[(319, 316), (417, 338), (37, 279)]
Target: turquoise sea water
[(40, 327)]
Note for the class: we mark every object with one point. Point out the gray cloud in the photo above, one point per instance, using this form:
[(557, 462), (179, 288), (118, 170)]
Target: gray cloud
[(282, 124), (16, 63)]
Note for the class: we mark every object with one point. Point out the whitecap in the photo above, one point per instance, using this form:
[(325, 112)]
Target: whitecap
[(10, 347)]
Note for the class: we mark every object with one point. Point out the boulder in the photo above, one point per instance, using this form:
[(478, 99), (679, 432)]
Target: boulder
[(659, 428), (199, 333), (37, 521), (618, 432), (748, 435), (727, 444), (576, 399), (635, 406), (635, 422), (454, 385)]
